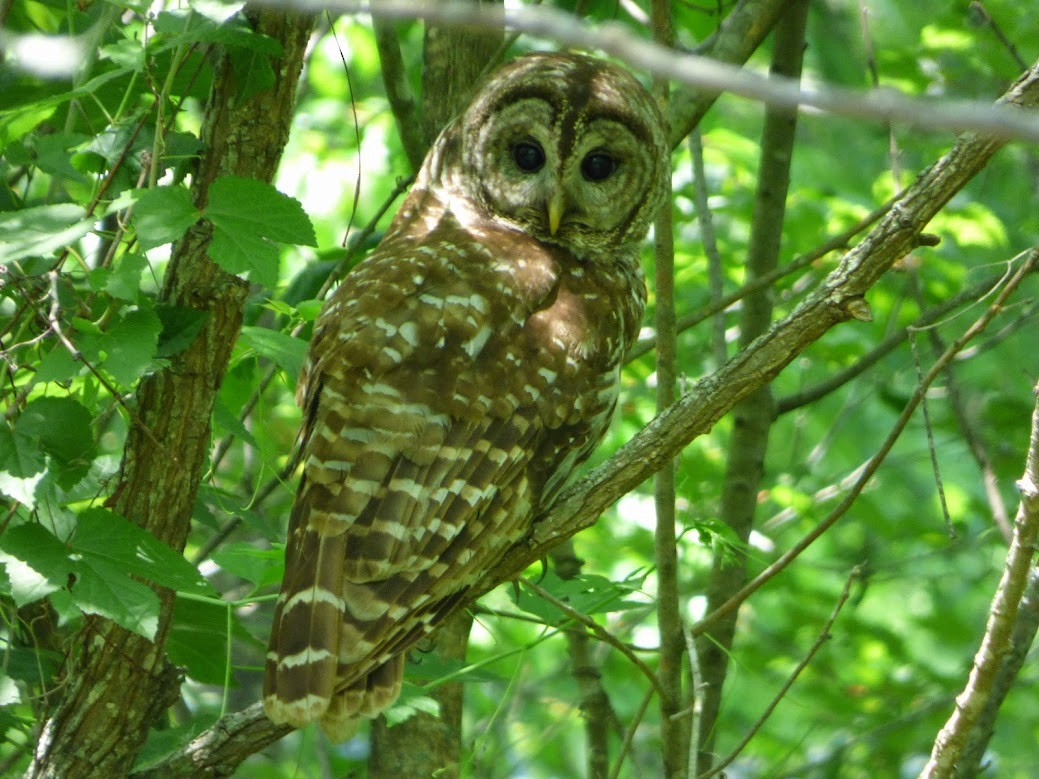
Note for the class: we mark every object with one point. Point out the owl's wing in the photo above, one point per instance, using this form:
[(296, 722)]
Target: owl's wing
[(414, 479)]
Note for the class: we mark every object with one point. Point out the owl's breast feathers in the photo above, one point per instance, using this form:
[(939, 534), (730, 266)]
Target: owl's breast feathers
[(451, 386)]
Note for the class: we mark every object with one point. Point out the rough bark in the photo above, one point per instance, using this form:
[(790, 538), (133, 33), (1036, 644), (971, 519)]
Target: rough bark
[(119, 682), (427, 745)]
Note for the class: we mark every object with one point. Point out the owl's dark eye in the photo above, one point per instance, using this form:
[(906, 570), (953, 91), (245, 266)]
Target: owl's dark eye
[(529, 156), (598, 166)]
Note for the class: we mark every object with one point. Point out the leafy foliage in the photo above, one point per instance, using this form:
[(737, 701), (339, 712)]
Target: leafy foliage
[(96, 168)]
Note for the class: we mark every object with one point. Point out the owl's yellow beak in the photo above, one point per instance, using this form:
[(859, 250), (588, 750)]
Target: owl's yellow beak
[(556, 209)]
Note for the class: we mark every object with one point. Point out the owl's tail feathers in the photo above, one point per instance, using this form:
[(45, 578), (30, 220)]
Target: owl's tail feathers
[(367, 697), (300, 670)]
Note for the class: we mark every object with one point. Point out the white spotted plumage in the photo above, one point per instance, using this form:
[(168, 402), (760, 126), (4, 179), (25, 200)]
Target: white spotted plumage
[(460, 373)]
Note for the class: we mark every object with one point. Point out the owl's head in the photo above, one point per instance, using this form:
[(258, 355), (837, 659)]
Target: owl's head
[(567, 148)]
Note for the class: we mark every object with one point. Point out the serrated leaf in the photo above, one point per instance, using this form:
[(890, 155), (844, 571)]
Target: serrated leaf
[(411, 702), (255, 205), (21, 488), (39, 231), (180, 326), (108, 537), (63, 426), (57, 365), (106, 591), (131, 345), (247, 215), (245, 255), (124, 282), (20, 453), (162, 215), (190, 27), (26, 583), (284, 350), (45, 563)]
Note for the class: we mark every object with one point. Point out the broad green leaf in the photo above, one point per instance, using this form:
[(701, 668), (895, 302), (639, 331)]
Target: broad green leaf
[(198, 639), (160, 744), (62, 425), (108, 537), (34, 665), (39, 231), (37, 562), (162, 215), (180, 326), (258, 566), (229, 422), (179, 27), (26, 583), (8, 690), (412, 701), (105, 590), (131, 345), (57, 365), (244, 254), (248, 203), (124, 282), (247, 215), (20, 453), (284, 350), (21, 488)]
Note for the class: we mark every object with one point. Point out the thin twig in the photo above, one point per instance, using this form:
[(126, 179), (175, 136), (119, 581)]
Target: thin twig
[(600, 632), (629, 735), (715, 267), (878, 457), (823, 637)]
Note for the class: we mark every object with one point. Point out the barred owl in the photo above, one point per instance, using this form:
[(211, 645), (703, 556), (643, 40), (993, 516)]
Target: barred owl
[(460, 372)]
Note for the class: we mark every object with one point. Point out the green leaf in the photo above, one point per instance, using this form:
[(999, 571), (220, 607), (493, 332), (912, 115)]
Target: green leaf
[(124, 282), (37, 562), (57, 365), (62, 425), (230, 423), (284, 350), (105, 536), (258, 566), (37, 232), (162, 215), (180, 326), (160, 744), (255, 204), (198, 639), (131, 345), (247, 215), (244, 254), (412, 701), (105, 590), (20, 453)]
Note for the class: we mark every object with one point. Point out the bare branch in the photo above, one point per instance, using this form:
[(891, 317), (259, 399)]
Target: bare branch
[(1002, 615), (886, 105)]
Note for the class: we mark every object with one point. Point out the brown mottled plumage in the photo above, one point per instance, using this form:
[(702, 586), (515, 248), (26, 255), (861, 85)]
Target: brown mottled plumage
[(460, 372)]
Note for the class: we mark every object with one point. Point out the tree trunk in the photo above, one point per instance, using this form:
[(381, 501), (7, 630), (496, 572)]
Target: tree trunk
[(118, 682)]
